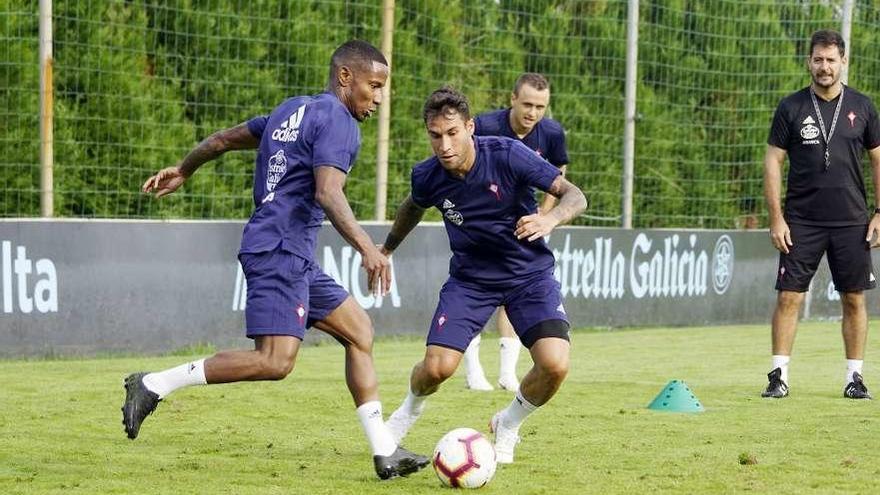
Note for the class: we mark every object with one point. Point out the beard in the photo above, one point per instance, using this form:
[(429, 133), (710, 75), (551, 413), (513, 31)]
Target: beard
[(817, 80)]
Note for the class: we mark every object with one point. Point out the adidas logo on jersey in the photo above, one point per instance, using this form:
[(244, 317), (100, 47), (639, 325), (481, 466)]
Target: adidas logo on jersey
[(448, 204), (808, 120), (289, 129)]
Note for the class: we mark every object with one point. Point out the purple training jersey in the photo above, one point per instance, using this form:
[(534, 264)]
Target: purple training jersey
[(547, 138), (302, 133), (481, 211)]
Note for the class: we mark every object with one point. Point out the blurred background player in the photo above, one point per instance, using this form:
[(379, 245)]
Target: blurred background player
[(524, 120), (484, 188), (307, 146), (824, 130)]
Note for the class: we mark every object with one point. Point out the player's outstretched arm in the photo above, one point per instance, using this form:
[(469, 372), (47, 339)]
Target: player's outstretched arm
[(329, 181), (409, 214), (572, 203), (169, 179)]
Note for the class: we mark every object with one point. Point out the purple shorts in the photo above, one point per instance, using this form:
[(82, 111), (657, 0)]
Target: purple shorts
[(465, 307), (286, 293)]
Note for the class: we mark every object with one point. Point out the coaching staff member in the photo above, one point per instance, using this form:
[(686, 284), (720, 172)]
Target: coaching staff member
[(824, 130)]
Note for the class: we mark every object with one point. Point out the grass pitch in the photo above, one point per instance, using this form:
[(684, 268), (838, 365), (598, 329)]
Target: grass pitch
[(61, 431)]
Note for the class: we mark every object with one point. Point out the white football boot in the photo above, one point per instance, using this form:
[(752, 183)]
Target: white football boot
[(505, 439)]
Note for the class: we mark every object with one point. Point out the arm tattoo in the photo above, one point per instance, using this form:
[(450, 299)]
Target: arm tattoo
[(572, 201), (408, 216), (235, 138)]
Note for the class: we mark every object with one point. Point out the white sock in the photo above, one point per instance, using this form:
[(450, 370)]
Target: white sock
[(853, 366), (414, 404), (509, 355), (517, 411), (380, 439), (472, 364), (781, 362), (163, 383)]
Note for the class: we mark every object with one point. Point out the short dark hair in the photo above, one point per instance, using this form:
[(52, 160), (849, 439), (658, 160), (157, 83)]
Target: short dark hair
[(444, 101), (827, 37), (355, 54), (533, 79)]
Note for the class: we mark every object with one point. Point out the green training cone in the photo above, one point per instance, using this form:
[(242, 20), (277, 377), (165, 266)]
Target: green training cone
[(676, 397)]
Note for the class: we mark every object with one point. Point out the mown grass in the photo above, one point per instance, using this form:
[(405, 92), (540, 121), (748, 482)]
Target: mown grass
[(60, 429)]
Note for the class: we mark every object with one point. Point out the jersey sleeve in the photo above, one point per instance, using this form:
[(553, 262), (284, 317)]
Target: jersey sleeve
[(558, 153), (529, 168), (479, 125), (872, 128), (336, 140), (420, 193), (779, 130), (257, 125)]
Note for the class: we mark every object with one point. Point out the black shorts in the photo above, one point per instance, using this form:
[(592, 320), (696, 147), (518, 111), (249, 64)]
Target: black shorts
[(849, 258)]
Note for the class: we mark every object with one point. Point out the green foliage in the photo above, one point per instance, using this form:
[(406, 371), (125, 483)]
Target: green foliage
[(137, 84)]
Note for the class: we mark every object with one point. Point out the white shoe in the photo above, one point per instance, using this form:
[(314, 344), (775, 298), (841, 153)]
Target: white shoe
[(505, 439), (509, 383), (399, 424), (478, 382)]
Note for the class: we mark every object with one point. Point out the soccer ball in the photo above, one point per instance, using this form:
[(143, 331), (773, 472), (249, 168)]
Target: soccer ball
[(464, 458)]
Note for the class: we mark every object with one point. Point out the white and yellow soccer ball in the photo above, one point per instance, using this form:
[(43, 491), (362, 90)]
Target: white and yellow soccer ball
[(464, 458)]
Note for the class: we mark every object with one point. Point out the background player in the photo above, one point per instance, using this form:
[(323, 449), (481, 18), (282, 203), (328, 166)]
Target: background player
[(824, 130), (307, 146), (483, 187), (524, 120)]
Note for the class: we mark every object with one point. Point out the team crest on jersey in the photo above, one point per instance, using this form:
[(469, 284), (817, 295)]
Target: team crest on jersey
[(276, 170), (493, 187), (288, 131), (450, 214), (454, 217), (809, 131), (852, 119)]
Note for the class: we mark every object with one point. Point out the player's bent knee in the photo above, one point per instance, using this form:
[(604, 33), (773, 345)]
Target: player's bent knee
[(276, 368), (555, 371), (437, 370)]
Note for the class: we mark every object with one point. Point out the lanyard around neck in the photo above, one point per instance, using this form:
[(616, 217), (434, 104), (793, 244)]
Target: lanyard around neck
[(827, 135)]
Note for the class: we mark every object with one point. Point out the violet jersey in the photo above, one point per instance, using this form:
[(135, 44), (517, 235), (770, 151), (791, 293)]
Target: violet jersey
[(832, 196), (547, 138), (481, 210), (302, 133)]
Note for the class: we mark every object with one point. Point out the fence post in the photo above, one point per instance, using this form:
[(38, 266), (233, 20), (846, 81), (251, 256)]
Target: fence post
[(384, 114), (629, 111), (846, 31), (46, 98)]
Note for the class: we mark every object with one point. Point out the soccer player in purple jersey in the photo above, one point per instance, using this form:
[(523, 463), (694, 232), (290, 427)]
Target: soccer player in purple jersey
[(307, 145), (484, 188), (524, 120)]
